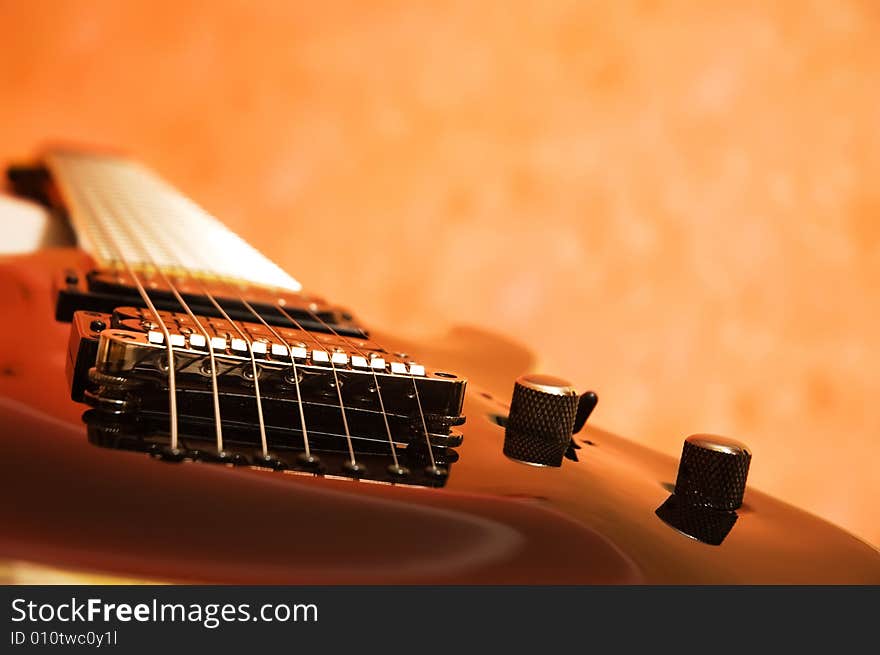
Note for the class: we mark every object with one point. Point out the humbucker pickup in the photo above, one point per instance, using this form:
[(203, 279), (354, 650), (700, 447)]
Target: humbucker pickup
[(103, 290)]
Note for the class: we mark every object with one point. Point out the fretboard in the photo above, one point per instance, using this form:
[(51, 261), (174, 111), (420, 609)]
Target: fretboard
[(122, 211)]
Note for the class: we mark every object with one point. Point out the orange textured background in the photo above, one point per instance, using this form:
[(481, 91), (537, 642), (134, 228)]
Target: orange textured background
[(677, 204)]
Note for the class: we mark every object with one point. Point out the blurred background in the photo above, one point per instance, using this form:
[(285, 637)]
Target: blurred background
[(674, 203)]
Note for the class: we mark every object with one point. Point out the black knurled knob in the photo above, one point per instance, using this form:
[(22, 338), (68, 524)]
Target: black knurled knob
[(713, 471), (541, 420), (697, 522)]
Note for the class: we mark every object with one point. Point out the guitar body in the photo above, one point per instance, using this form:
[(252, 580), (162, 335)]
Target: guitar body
[(68, 504)]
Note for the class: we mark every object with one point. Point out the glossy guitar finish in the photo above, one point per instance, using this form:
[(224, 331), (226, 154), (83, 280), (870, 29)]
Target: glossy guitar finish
[(69, 504)]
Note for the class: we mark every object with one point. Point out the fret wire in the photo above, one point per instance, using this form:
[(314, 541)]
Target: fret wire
[(234, 259)]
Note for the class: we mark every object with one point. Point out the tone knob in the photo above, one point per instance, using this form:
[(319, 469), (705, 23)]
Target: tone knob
[(541, 421), (695, 521), (712, 472)]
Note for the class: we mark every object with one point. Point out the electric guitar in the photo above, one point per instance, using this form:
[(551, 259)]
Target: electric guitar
[(175, 407)]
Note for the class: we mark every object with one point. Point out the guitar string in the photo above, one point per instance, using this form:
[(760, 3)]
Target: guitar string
[(308, 455), (396, 469), (434, 469), (88, 199), (215, 395), (353, 462), (353, 465), (264, 445), (308, 459), (167, 337)]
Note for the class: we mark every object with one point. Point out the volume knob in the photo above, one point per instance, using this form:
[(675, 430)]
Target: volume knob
[(541, 421), (713, 471)]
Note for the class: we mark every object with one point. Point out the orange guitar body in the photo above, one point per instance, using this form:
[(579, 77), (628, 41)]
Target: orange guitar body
[(71, 505)]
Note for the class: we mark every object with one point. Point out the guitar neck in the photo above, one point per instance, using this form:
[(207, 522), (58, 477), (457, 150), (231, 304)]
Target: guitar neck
[(122, 212)]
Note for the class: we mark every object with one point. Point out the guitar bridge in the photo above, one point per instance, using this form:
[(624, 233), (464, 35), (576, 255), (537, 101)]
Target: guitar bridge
[(118, 364)]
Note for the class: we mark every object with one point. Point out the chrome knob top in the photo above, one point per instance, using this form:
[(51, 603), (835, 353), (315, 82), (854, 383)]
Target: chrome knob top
[(546, 384), (713, 471)]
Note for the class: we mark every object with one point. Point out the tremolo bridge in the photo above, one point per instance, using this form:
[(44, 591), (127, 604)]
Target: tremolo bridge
[(118, 364)]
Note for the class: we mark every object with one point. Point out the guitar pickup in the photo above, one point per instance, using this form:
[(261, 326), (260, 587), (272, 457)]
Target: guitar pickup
[(103, 291)]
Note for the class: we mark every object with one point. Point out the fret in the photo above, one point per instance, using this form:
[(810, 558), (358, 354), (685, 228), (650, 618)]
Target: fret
[(131, 196)]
